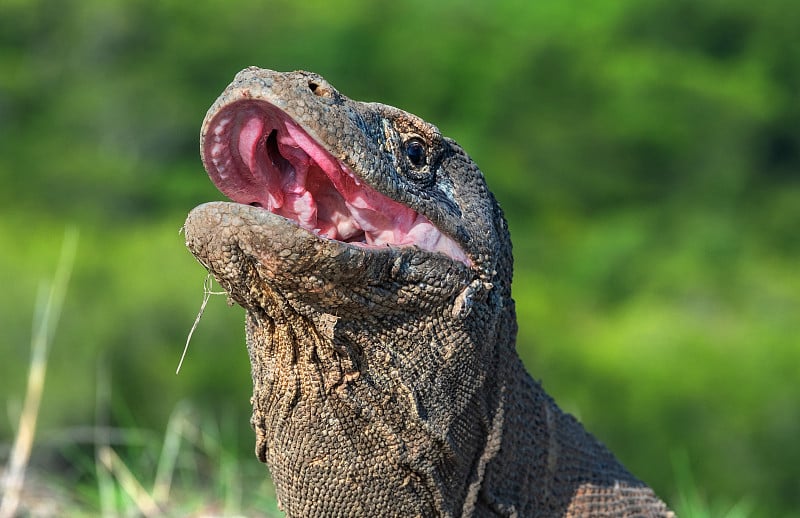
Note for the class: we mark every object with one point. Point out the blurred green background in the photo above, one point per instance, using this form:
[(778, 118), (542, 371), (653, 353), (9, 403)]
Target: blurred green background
[(646, 152)]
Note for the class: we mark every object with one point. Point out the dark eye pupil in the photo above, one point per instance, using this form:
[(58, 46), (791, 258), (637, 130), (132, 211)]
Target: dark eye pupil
[(415, 151)]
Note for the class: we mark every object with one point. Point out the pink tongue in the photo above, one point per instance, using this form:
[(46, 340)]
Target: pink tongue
[(285, 192)]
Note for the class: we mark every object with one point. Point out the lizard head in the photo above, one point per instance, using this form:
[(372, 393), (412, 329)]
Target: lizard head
[(375, 268), (329, 193)]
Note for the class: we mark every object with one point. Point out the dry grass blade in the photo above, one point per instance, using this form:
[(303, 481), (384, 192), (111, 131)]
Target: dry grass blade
[(169, 452), (48, 312), (143, 500), (206, 295), (105, 483)]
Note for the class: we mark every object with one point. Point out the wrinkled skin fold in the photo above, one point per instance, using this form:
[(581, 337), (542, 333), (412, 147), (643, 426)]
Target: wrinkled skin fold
[(375, 268)]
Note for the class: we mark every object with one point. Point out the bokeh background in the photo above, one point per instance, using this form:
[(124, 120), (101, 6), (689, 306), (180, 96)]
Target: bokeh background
[(646, 152)]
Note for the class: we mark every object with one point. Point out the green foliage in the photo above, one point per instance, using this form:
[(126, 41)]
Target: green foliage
[(647, 154)]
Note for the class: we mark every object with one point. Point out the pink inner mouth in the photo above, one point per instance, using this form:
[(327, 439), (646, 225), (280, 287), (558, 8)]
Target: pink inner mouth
[(257, 155)]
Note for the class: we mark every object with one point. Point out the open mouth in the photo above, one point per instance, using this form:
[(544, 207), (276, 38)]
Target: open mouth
[(257, 155)]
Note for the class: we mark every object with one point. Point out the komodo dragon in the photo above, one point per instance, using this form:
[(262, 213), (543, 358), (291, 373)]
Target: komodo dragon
[(375, 267)]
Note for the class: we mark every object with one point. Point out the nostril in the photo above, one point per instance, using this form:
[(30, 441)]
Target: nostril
[(318, 89)]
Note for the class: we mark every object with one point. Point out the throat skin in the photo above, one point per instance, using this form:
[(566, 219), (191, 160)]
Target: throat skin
[(386, 380), (345, 410)]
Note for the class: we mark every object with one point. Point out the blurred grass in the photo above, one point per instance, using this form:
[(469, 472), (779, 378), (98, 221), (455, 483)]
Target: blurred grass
[(50, 300), (189, 471), (647, 155), (691, 502)]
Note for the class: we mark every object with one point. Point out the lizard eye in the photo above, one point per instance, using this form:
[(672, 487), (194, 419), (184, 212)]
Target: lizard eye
[(415, 151)]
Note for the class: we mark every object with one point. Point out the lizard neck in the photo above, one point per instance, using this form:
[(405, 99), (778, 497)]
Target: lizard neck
[(339, 404)]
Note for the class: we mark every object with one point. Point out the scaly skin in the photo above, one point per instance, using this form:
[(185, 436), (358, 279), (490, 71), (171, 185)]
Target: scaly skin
[(386, 380)]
